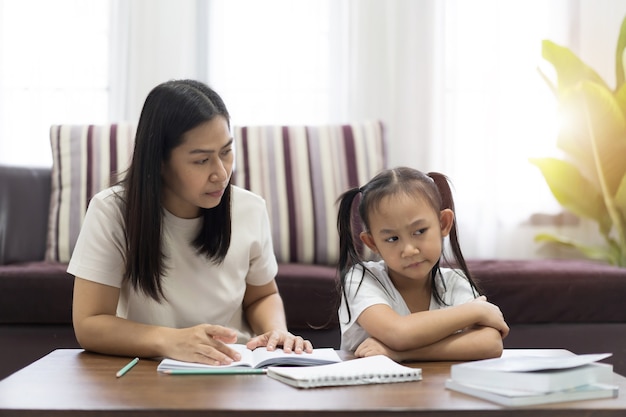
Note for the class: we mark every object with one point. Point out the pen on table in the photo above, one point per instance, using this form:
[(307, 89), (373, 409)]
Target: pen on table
[(228, 371), (127, 368)]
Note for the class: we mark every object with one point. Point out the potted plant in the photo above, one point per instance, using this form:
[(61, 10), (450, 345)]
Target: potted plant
[(590, 180)]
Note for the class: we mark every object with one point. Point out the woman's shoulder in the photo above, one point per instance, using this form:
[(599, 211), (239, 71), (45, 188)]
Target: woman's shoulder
[(107, 203), (245, 199), (111, 196), (245, 195)]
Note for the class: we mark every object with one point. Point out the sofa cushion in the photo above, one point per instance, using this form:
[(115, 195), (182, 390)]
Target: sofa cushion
[(553, 290), (85, 160), (301, 171), (310, 295), (24, 191), (310, 167), (36, 293)]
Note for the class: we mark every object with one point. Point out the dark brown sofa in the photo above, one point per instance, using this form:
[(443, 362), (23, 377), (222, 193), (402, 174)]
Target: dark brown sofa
[(571, 304)]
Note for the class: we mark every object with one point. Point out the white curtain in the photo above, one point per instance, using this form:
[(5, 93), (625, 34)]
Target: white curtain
[(456, 82), (153, 41), (53, 69), (497, 112), (387, 71)]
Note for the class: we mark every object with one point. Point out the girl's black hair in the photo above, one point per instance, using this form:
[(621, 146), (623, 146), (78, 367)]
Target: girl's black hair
[(432, 187), (170, 110)]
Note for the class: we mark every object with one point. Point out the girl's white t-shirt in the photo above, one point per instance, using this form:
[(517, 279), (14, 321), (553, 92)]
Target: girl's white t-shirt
[(196, 290), (454, 288)]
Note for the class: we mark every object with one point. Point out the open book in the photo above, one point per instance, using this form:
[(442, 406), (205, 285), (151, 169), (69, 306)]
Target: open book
[(370, 370), (257, 358)]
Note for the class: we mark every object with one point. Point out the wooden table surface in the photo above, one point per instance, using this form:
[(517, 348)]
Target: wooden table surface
[(71, 382)]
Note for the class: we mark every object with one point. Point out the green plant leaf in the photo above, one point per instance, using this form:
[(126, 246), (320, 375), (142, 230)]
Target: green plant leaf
[(620, 97), (569, 68), (620, 198), (619, 57), (599, 253), (573, 191), (594, 133), (591, 180)]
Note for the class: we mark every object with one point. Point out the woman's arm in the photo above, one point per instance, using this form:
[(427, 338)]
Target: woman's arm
[(417, 330), (471, 344), (265, 313), (98, 329)]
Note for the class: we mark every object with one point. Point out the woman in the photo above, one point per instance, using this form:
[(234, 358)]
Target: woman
[(175, 261)]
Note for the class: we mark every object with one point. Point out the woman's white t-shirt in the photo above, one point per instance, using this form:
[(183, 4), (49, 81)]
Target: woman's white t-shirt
[(365, 290), (196, 290)]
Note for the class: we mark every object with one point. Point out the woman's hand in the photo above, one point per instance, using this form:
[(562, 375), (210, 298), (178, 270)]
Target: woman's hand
[(204, 343), (266, 314), (98, 329), (275, 338)]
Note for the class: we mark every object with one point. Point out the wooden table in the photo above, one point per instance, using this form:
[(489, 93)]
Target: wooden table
[(71, 382)]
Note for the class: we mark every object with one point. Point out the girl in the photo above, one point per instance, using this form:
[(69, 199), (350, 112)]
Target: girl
[(406, 306), (175, 261)]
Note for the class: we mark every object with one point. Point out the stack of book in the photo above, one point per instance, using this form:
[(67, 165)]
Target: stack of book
[(527, 377)]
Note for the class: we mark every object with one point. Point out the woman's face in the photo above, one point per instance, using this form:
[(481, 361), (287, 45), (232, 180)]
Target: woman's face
[(198, 170)]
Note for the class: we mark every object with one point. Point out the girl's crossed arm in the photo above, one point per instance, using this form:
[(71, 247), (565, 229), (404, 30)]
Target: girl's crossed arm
[(471, 344), (421, 330)]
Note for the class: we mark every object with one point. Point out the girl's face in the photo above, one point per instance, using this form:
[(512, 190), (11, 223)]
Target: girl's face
[(198, 170), (408, 235)]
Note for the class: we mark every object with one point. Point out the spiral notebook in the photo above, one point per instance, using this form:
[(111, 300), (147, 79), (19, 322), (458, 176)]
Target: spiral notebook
[(371, 370)]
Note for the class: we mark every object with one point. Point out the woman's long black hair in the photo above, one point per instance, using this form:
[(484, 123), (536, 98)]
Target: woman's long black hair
[(170, 110), (432, 187)]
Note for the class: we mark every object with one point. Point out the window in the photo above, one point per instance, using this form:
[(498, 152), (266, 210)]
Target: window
[(496, 113), (269, 60), (53, 69)]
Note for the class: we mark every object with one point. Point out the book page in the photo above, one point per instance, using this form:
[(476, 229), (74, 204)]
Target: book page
[(260, 358), (246, 361), (263, 357), (530, 363)]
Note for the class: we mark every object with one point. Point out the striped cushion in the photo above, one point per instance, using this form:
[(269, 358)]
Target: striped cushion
[(85, 160), (301, 171)]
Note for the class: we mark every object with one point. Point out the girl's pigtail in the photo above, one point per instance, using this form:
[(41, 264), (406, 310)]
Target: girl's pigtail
[(348, 254), (447, 202)]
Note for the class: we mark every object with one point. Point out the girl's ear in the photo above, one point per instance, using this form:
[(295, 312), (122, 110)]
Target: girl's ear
[(446, 220), (367, 238)]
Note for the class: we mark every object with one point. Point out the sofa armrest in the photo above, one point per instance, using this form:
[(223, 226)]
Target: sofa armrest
[(310, 295), (24, 203)]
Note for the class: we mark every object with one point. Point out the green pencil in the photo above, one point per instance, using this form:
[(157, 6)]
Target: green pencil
[(127, 368), (214, 371)]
